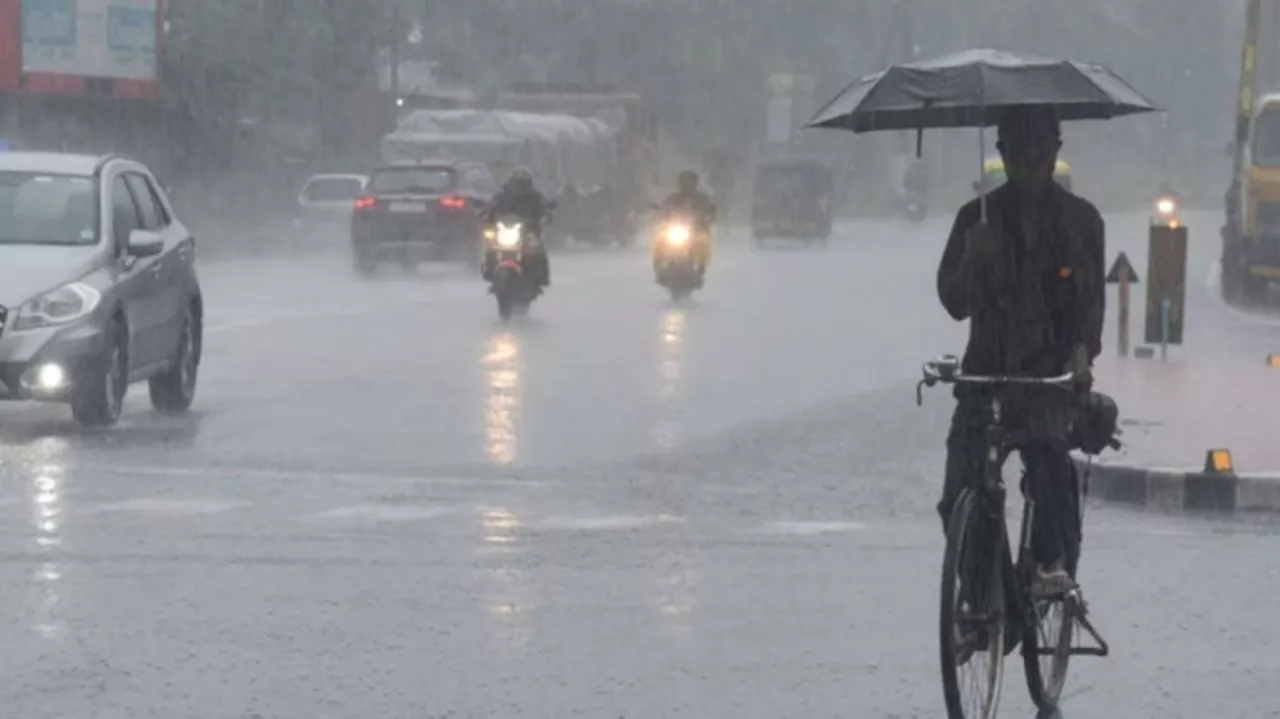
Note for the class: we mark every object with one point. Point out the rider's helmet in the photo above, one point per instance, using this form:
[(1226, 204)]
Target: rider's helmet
[(687, 181), (521, 178)]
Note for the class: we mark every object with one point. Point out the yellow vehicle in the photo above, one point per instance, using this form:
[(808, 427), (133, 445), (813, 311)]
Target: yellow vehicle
[(1251, 233), (993, 175)]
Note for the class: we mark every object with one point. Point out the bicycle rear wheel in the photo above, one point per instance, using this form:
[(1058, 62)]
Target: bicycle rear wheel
[(1046, 649), (972, 619)]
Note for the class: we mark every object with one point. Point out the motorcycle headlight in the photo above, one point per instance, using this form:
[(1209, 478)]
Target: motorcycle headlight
[(677, 235), (509, 235), (1166, 206), (58, 307)]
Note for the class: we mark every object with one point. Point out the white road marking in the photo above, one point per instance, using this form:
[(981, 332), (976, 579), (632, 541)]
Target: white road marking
[(604, 523), (310, 475), (188, 507), (808, 529), (383, 513)]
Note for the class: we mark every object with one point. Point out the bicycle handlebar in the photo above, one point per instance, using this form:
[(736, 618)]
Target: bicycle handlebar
[(947, 371)]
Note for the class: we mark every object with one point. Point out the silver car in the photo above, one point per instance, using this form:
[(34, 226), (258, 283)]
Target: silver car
[(98, 286), (328, 200)]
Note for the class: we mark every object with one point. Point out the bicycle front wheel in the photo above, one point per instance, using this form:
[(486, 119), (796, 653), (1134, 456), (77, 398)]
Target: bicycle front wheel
[(972, 620)]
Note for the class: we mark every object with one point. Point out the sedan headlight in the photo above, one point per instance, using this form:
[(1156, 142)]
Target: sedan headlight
[(58, 307), (1166, 206), (509, 235), (677, 235)]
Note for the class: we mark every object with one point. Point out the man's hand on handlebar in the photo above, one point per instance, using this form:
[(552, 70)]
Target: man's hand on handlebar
[(1081, 368), (947, 371)]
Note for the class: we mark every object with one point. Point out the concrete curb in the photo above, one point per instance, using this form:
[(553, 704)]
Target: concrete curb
[(1166, 489)]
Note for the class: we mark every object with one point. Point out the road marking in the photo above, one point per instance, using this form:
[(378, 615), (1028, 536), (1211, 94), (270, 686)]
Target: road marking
[(809, 529), (383, 513), (232, 326), (189, 507), (604, 523), (311, 475)]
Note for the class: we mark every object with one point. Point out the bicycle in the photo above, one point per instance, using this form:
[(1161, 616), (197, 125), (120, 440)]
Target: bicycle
[(984, 607)]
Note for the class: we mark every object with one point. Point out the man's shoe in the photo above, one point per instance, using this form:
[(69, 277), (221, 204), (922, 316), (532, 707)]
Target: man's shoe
[(1052, 582)]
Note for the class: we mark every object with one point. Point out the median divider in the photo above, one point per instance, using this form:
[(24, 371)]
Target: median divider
[(1216, 487)]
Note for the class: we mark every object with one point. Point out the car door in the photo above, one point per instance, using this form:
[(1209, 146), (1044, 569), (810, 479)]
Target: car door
[(168, 268), (136, 281)]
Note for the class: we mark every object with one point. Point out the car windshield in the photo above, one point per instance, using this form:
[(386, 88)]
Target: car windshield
[(786, 181), (46, 209), (333, 189), (427, 180), (1266, 150)]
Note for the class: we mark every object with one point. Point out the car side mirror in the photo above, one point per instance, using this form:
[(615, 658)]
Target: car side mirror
[(145, 243)]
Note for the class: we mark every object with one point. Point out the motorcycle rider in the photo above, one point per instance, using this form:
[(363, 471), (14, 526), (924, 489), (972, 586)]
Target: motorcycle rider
[(690, 201), (519, 197)]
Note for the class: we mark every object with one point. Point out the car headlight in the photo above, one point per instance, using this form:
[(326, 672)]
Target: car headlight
[(509, 235), (1166, 206), (677, 235), (58, 307)]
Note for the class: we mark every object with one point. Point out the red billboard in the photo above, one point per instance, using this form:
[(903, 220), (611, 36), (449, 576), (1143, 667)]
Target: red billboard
[(81, 47)]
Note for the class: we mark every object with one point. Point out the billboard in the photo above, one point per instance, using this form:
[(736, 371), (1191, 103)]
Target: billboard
[(115, 39)]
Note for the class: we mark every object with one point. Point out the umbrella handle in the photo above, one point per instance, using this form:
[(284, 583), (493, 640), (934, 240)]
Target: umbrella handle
[(982, 186)]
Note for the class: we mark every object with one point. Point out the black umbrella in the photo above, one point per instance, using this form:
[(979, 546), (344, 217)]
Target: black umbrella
[(974, 88)]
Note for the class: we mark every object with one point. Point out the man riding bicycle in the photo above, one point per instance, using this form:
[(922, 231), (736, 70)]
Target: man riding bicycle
[(1030, 280)]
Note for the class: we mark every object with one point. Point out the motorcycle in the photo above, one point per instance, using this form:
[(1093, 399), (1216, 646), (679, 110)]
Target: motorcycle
[(679, 255), (509, 247)]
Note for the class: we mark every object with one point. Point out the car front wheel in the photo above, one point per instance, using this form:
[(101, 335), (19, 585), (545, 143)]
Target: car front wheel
[(175, 389), (98, 398)]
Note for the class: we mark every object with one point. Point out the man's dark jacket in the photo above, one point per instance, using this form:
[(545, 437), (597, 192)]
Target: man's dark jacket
[(1038, 296)]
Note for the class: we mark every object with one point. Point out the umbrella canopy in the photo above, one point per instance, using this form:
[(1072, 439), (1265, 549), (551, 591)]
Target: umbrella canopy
[(973, 88)]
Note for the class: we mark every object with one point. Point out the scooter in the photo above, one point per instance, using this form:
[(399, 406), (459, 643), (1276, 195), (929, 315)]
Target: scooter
[(679, 255)]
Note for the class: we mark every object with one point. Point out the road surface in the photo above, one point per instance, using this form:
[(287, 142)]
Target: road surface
[(388, 504)]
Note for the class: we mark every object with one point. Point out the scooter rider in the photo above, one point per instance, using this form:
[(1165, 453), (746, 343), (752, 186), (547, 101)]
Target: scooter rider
[(697, 205)]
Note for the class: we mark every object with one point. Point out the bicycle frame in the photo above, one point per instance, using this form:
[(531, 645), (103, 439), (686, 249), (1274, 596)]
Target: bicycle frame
[(992, 495)]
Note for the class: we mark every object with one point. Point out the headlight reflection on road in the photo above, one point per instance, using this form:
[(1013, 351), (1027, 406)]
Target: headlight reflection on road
[(502, 413), (670, 377), (46, 517), (506, 597), (676, 599)]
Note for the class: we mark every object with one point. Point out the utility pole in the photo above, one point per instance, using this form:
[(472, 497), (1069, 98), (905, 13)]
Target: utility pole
[(393, 56)]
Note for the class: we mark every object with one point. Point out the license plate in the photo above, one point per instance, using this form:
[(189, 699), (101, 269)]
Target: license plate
[(407, 207)]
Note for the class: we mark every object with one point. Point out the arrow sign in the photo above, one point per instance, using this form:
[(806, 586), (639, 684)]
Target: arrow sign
[(1122, 274), (1122, 271)]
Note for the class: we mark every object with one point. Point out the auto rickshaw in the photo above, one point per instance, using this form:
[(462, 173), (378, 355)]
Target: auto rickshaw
[(791, 199), (993, 175)]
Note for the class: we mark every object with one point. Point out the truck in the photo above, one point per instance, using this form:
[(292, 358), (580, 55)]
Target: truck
[(572, 158), (614, 210), (1251, 231)]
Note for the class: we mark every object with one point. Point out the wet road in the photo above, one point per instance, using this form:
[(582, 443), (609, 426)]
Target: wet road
[(388, 504)]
